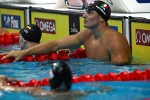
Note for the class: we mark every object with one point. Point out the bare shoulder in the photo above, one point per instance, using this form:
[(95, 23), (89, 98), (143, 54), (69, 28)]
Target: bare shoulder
[(117, 42), (84, 34), (119, 48), (117, 37)]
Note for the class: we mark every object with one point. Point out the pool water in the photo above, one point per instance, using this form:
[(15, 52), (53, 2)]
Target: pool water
[(6, 48), (128, 90)]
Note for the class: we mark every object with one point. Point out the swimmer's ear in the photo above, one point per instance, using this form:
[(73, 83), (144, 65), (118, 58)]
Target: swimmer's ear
[(101, 19), (24, 40)]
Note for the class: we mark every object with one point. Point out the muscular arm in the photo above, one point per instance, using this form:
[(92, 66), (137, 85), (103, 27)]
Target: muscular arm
[(70, 41), (119, 49), (64, 43), (50, 46)]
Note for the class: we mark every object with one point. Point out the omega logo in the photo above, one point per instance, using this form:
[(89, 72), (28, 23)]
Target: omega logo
[(143, 37), (46, 25)]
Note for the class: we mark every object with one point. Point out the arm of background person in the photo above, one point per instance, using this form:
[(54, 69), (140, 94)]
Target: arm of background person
[(37, 91)]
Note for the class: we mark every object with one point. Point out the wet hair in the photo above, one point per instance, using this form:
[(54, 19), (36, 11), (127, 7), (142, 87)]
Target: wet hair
[(31, 33), (101, 8), (60, 74)]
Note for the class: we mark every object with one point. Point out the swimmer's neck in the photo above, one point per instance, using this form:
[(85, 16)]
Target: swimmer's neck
[(100, 31)]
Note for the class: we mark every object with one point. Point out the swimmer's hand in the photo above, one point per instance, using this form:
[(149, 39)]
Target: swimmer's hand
[(16, 54)]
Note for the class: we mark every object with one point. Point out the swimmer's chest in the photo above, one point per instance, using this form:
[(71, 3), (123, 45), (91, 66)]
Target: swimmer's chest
[(97, 50)]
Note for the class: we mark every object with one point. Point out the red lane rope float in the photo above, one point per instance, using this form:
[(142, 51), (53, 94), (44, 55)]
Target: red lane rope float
[(60, 55), (8, 38), (123, 76)]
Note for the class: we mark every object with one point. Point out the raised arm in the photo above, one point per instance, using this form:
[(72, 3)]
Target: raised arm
[(64, 43)]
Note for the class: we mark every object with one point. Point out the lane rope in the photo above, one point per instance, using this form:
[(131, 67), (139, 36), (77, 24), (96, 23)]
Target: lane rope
[(136, 75)]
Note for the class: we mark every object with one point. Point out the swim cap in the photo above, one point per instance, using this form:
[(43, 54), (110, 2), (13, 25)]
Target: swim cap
[(101, 8), (60, 76), (31, 33)]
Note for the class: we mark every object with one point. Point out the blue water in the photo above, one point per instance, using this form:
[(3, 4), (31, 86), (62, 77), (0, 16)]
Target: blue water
[(6, 48), (130, 90)]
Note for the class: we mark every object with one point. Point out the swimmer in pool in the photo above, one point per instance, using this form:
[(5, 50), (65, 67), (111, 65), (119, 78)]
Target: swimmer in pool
[(100, 42), (30, 36), (60, 79)]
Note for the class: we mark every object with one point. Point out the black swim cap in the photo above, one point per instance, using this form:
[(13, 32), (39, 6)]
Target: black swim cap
[(101, 8), (60, 74), (31, 33)]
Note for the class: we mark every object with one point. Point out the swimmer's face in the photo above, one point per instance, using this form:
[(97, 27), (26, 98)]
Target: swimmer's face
[(91, 18)]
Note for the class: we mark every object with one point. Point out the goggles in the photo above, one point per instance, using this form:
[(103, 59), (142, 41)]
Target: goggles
[(98, 10)]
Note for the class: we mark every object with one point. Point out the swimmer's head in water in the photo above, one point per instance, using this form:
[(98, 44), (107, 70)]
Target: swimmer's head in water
[(31, 33), (60, 76), (101, 8)]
